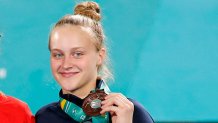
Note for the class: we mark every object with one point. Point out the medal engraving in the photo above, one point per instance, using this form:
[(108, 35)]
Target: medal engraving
[(96, 103)]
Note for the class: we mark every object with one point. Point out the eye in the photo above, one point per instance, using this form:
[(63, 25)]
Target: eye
[(57, 55), (78, 54)]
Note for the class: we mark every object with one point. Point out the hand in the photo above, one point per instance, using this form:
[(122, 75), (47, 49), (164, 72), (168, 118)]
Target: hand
[(120, 108)]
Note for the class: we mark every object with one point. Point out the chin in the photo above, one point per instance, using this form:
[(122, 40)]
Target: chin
[(69, 89)]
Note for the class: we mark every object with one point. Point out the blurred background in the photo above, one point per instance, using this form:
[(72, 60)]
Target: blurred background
[(164, 53)]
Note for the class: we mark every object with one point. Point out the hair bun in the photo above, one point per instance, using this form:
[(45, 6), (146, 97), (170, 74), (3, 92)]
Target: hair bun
[(88, 9)]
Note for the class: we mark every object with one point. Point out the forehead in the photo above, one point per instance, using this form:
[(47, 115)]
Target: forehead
[(68, 36)]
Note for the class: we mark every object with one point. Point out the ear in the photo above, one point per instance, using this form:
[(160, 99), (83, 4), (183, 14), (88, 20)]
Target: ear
[(101, 57)]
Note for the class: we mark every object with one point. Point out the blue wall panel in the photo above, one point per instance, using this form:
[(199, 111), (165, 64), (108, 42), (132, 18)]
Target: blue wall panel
[(164, 53)]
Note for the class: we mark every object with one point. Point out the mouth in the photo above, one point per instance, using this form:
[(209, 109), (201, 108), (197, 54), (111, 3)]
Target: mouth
[(68, 74)]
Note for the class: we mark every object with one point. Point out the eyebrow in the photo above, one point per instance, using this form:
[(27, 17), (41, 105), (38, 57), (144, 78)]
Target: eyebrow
[(72, 49)]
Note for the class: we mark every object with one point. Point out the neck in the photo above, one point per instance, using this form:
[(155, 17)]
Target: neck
[(84, 91)]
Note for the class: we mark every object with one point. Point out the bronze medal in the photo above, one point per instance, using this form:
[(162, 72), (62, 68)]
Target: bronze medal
[(92, 103)]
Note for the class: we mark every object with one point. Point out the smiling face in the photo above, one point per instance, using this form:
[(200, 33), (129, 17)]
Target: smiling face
[(74, 59)]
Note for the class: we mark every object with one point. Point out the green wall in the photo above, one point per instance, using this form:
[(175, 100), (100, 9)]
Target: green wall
[(164, 53)]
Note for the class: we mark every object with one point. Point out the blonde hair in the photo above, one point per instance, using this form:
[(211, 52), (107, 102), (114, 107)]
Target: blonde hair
[(87, 14)]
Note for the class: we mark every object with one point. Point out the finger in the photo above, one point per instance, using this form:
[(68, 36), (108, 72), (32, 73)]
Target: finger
[(117, 99), (112, 109), (111, 95), (114, 101)]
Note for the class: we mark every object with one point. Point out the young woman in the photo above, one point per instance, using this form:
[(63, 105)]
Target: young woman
[(78, 63), (13, 110)]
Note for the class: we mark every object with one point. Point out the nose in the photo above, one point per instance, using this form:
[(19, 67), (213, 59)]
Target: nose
[(67, 63)]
